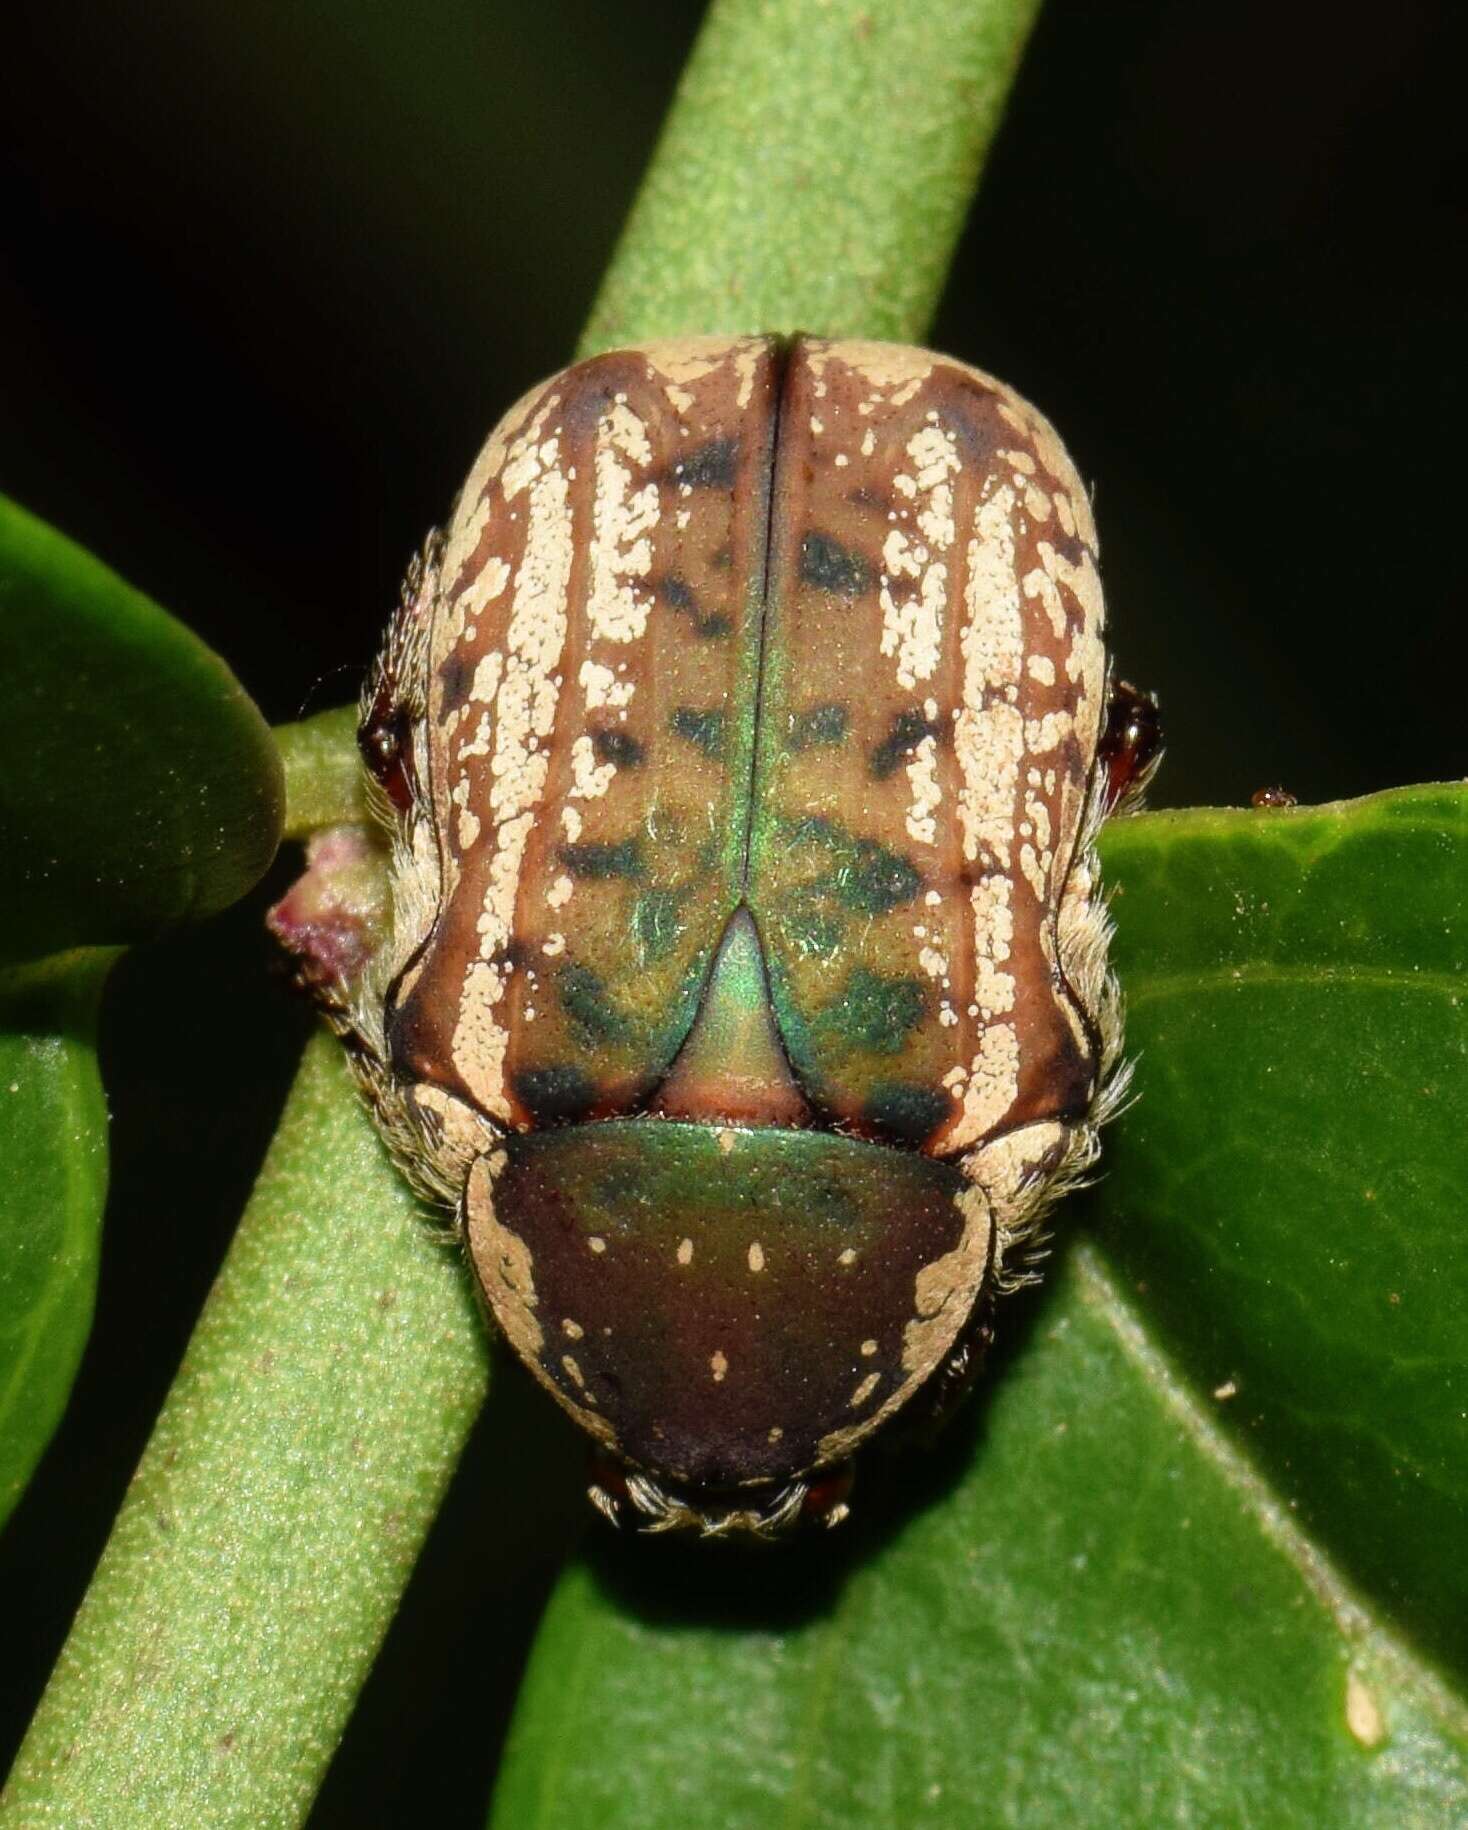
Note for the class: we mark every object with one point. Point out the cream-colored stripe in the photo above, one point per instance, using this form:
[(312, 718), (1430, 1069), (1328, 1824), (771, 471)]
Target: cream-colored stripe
[(524, 718), (989, 739)]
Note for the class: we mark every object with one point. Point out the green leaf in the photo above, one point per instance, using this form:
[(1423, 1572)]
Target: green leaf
[(1290, 1187), (53, 1180), (139, 786), (1194, 1557)]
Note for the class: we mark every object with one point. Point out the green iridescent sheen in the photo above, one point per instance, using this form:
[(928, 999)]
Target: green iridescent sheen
[(874, 1011), (655, 922), (720, 1294)]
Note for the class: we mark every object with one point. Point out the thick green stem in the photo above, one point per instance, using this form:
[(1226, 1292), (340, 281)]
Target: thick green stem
[(815, 170), (279, 1508), (814, 173)]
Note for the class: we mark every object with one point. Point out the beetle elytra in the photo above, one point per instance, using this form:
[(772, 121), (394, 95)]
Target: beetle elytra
[(741, 744)]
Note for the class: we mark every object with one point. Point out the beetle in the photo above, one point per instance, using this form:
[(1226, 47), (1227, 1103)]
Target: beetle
[(742, 744)]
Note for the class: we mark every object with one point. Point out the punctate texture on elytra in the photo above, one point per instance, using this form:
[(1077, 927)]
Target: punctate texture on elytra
[(746, 992)]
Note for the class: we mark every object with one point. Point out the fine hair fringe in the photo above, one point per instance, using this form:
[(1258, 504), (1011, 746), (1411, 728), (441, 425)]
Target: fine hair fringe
[(1083, 935)]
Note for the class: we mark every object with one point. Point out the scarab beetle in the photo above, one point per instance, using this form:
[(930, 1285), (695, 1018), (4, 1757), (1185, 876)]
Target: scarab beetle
[(742, 745)]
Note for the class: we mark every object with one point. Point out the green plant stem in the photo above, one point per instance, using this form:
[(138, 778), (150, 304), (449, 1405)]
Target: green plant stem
[(279, 1508), (815, 170), (814, 173), (323, 773)]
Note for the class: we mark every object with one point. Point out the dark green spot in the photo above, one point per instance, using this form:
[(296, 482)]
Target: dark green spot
[(617, 747), (656, 922), (679, 595), (705, 729), (906, 1110), (875, 1012), (555, 1095), (815, 829), (584, 1000), (909, 728), (821, 724), (624, 859), (711, 466), (863, 877), (829, 566), (868, 878), (876, 880)]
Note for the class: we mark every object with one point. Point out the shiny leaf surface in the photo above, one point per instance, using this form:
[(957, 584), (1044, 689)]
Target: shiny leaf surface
[(53, 1180), (1287, 1196), (139, 786)]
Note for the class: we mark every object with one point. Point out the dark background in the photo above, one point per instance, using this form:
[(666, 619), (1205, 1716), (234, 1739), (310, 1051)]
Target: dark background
[(270, 273)]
